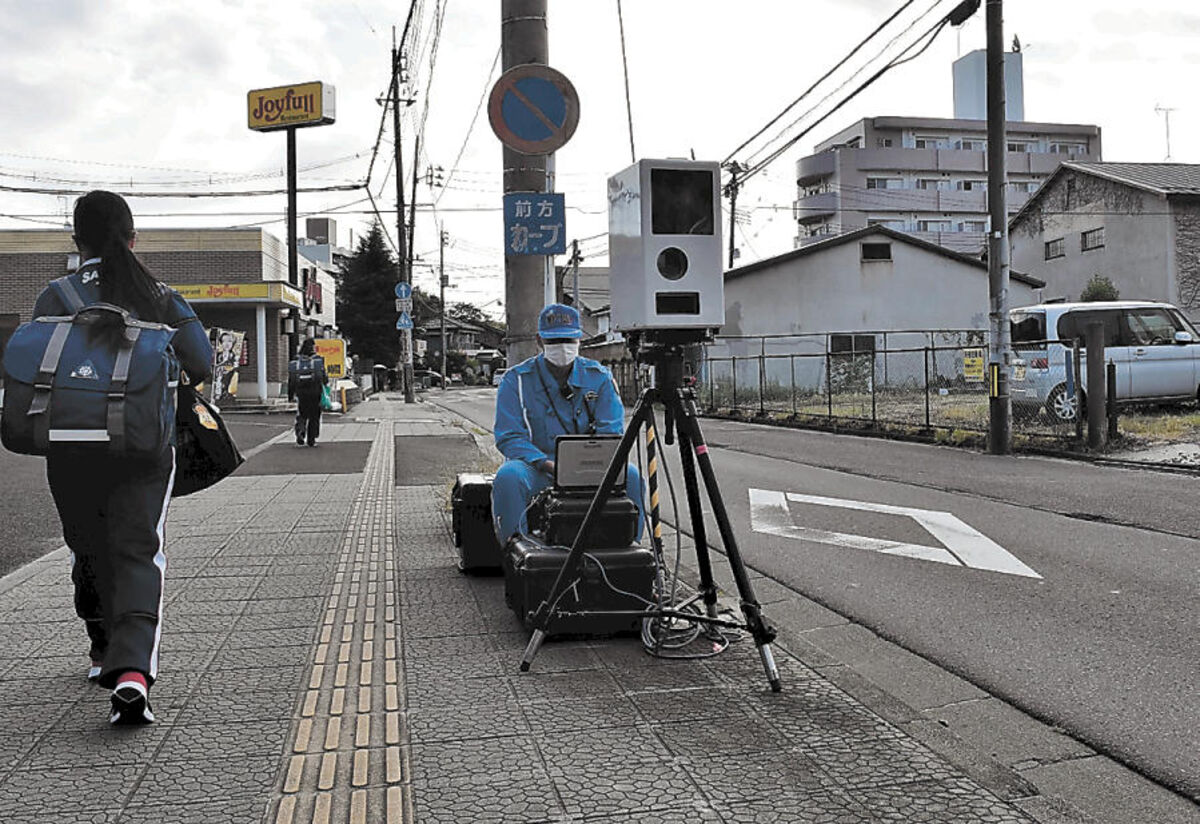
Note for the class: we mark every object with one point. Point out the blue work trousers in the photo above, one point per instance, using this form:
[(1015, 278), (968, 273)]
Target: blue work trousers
[(517, 483)]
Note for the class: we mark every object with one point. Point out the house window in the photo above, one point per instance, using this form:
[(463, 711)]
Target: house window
[(883, 142), (876, 251), (1091, 239), (840, 344), (1056, 248), (884, 183)]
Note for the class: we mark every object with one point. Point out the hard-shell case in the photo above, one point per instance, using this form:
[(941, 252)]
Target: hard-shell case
[(531, 567), (616, 526), (471, 518)]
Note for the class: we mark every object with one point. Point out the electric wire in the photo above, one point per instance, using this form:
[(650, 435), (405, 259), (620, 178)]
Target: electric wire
[(625, 68), (470, 129), (819, 81)]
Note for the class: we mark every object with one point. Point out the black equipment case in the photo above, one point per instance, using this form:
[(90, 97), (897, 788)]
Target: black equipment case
[(531, 567), (564, 512), (471, 518)]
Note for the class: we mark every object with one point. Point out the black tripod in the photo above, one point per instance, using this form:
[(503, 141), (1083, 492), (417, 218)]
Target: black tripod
[(667, 354)]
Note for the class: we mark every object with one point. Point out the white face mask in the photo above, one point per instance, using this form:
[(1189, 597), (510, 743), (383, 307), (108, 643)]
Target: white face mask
[(562, 354)]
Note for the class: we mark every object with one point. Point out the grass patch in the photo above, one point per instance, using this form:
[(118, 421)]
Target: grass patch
[(1167, 424)]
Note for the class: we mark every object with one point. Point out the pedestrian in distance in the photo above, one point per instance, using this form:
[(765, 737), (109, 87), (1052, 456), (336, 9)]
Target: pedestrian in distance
[(556, 392), (113, 508), (306, 382)]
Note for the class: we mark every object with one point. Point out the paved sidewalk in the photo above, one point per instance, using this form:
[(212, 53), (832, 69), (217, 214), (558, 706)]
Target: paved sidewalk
[(323, 661)]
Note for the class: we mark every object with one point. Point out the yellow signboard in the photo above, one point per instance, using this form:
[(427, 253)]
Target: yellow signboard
[(973, 365), (259, 292), (285, 107), (333, 351)]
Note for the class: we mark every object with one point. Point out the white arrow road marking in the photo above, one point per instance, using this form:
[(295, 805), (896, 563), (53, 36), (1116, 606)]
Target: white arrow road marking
[(962, 545)]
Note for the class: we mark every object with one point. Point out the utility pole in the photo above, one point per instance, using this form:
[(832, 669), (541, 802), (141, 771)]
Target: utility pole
[(406, 339), (1000, 349), (442, 279), (1166, 113), (524, 39), (731, 189), (576, 259)]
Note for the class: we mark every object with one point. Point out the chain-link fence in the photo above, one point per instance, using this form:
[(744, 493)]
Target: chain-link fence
[(921, 381)]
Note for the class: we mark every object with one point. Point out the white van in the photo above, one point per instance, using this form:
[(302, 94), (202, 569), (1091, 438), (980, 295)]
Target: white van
[(1155, 348)]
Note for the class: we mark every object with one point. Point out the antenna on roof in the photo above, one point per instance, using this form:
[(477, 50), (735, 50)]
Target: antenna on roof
[(1166, 113)]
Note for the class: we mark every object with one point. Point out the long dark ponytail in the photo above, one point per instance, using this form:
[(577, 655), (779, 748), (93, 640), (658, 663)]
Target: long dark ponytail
[(104, 227)]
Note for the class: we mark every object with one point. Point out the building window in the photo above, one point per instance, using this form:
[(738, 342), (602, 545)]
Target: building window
[(1017, 146), (884, 183), (889, 222), (876, 251), (974, 226), (972, 145), (1068, 148), (1091, 239), (930, 142), (1056, 248), (883, 142), (933, 183), (972, 186), (934, 226)]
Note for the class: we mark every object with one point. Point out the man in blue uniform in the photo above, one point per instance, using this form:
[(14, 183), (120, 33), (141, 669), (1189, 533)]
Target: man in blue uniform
[(551, 394)]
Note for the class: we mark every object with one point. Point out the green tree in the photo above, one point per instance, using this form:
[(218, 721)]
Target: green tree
[(1099, 288), (366, 310), (468, 312)]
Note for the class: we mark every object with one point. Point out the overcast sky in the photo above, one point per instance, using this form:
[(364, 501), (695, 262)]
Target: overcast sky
[(149, 95)]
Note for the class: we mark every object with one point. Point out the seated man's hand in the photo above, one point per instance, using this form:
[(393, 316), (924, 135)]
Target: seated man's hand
[(547, 466)]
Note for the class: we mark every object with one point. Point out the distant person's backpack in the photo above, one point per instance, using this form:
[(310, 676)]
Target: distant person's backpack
[(306, 372), (96, 379)]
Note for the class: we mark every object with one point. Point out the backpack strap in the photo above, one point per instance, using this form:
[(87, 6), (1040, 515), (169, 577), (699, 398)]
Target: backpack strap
[(116, 390), (68, 293), (44, 383)]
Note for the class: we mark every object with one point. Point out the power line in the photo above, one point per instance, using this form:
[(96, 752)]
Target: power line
[(41, 190), (471, 128), (819, 81), (625, 67)]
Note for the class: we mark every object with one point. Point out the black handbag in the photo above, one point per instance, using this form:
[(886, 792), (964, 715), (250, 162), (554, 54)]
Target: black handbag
[(204, 450)]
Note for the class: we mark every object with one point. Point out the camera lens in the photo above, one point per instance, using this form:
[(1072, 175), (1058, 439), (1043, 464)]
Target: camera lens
[(672, 263)]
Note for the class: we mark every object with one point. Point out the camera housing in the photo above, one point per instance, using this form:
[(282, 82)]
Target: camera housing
[(664, 246)]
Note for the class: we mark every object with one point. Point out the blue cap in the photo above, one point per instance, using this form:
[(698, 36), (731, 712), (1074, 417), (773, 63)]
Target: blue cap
[(559, 321)]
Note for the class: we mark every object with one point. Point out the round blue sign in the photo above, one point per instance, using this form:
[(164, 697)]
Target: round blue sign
[(403, 291)]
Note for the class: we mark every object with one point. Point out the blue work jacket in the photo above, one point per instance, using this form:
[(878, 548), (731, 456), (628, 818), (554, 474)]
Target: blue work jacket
[(531, 411)]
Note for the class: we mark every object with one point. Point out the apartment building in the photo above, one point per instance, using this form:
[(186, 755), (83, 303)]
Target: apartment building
[(926, 176)]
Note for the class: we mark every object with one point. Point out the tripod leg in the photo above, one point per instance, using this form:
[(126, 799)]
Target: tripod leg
[(689, 430), (545, 612), (708, 589)]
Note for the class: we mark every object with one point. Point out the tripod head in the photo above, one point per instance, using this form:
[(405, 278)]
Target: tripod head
[(675, 355)]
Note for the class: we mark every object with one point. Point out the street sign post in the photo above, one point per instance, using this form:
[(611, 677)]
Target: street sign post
[(404, 305), (533, 109), (404, 321), (404, 291), (535, 223)]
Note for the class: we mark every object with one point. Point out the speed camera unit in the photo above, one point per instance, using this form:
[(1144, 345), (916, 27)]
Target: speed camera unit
[(664, 246)]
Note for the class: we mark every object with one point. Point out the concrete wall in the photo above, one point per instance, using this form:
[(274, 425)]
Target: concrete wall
[(834, 290), (1138, 255)]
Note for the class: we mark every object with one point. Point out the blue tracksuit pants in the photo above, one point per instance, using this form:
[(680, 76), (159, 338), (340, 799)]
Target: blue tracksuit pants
[(517, 483)]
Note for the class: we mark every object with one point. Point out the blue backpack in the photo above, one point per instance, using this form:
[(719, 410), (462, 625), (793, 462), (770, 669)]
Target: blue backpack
[(95, 379)]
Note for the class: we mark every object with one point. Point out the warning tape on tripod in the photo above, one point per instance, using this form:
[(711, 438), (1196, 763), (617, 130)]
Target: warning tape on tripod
[(652, 472)]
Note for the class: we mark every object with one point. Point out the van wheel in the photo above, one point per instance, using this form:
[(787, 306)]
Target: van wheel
[(1061, 406)]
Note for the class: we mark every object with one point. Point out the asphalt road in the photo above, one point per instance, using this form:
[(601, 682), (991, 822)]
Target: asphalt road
[(30, 522), (1099, 634)]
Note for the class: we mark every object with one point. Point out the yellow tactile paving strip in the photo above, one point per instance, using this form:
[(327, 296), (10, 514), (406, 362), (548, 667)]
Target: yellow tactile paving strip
[(347, 762)]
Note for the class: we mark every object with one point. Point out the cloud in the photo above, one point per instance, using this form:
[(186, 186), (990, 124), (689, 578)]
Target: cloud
[(1128, 24)]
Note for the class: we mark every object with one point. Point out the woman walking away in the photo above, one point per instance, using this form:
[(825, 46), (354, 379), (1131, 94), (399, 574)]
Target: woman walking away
[(306, 383), (113, 507)]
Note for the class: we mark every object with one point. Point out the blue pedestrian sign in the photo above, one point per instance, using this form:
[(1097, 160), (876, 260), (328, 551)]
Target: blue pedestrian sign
[(535, 223), (404, 321), (403, 291), (533, 109)]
